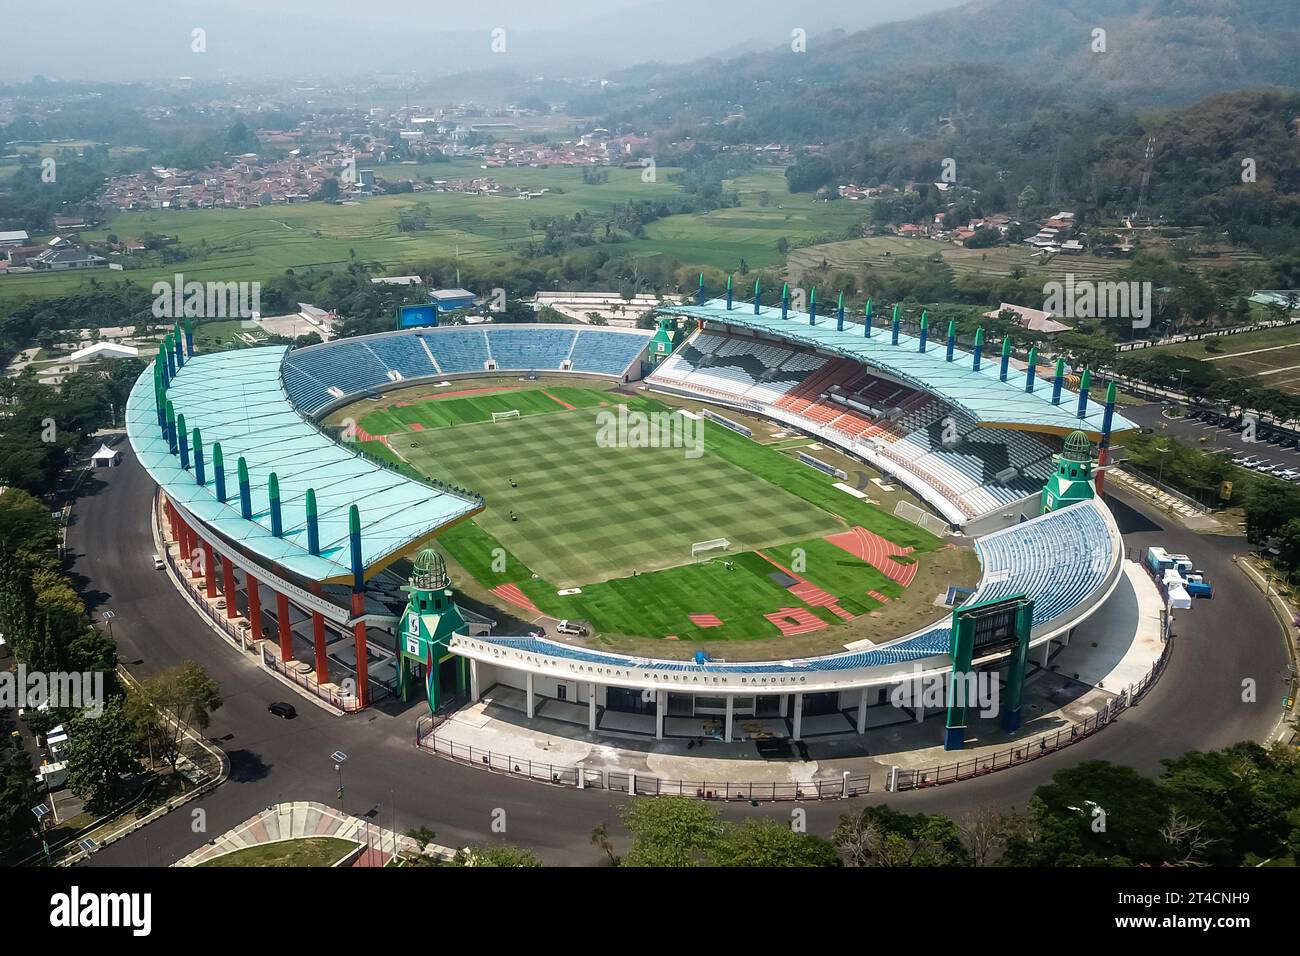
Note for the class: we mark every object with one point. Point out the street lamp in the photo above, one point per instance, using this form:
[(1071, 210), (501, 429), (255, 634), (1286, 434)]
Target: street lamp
[(1160, 480), (339, 758)]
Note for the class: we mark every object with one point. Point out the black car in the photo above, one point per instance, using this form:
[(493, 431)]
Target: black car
[(283, 710)]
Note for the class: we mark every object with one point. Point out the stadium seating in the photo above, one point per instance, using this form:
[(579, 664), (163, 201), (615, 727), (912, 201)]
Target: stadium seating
[(978, 470), (321, 375)]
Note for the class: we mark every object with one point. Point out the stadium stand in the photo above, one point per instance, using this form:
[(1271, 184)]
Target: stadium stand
[(977, 469), (323, 375)]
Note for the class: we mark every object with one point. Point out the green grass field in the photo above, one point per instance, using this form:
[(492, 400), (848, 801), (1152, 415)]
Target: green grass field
[(590, 516), (1272, 355), (253, 244), (309, 851)]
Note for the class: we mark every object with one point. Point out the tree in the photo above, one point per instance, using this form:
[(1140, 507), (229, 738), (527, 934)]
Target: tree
[(670, 831), (879, 836), (18, 795), (770, 843), (25, 523), (495, 855), (101, 757), (185, 697)]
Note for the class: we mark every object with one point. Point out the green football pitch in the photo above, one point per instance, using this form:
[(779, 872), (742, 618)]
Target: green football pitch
[(586, 513), (618, 522)]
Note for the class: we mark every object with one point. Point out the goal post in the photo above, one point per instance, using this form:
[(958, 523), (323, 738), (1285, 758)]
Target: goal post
[(706, 547), (503, 416)]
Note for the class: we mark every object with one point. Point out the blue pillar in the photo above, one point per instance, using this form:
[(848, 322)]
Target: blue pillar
[(728, 293), (313, 523), (219, 471), (1006, 359), (1084, 383), (785, 301), (866, 330), (1029, 372), (952, 338), (184, 440), (699, 293), (245, 492), (895, 329), (200, 473), (979, 349), (812, 307), (273, 492), (839, 315), (925, 330), (1058, 381), (354, 541), (758, 296)]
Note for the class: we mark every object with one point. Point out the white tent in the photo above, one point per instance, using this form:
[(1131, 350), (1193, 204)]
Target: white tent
[(106, 457), (104, 350)]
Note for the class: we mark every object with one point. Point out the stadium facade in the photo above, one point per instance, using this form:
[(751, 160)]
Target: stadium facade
[(267, 508)]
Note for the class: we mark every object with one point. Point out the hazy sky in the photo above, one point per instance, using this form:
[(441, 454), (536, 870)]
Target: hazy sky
[(142, 39)]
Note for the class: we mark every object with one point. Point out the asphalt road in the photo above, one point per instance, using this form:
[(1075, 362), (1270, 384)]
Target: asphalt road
[(1195, 705)]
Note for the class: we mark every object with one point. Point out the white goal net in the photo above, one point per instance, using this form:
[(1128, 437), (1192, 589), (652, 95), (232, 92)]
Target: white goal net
[(705, 547), (910, 512), (502, 416)]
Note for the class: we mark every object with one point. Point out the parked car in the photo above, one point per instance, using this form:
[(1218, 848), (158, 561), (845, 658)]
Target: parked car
[(571, 627), (158, 563), (283, 710)]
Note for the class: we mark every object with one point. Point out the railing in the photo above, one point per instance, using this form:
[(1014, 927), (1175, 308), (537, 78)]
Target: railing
[(1032, 749), (349, 705), (853, 785)]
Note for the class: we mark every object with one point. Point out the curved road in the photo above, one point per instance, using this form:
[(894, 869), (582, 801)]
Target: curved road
[(1195, 705)]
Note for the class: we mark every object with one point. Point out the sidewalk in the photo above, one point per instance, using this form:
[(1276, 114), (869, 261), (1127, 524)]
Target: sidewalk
[(1192, 518)]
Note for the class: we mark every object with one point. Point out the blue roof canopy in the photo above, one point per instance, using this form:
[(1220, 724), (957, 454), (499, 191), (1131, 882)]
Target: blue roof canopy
[(236, 398), (982, 394)]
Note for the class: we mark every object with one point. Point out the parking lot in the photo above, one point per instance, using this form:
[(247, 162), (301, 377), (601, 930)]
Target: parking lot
[(1273, 450)]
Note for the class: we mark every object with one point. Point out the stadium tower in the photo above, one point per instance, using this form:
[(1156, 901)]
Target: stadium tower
[(430, 620), (1073, 479)]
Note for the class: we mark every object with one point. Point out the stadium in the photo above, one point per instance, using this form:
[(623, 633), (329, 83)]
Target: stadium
[(433, 512)]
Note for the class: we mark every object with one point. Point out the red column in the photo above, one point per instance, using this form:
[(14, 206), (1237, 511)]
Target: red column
[(359, 638), (228, 587), (254, 607), (318, 638), (286, 635), (209, 571)]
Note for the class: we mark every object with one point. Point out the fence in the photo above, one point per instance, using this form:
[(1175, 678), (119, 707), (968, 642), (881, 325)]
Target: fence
[(348, 705), (1032, 749), (633, 783)]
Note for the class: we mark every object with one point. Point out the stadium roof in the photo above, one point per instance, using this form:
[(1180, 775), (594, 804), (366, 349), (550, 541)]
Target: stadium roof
[(982, 394), (236, 398)]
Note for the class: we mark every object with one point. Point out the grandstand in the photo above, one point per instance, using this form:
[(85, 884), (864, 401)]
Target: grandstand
[(321, 377), (963, 438)]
